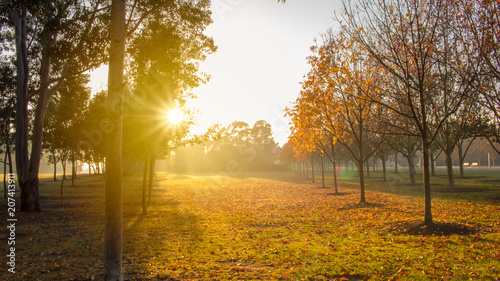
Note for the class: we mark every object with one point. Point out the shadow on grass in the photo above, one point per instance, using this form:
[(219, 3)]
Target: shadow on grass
[(418, 228), (361, 205)]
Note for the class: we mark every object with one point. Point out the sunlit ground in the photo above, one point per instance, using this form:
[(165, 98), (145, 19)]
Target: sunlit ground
[(270, 226)]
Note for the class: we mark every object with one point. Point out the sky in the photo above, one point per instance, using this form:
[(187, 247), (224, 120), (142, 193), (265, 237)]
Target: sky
[(260, 61)]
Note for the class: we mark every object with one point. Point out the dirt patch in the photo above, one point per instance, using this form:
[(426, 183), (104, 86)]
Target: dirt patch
[(362, 205), (339, 193), (418, 228)]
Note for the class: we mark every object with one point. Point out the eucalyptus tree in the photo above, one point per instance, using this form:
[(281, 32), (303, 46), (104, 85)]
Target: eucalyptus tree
[(53, 40)]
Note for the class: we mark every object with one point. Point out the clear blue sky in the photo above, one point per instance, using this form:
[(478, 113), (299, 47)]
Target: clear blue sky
[(261, 59)]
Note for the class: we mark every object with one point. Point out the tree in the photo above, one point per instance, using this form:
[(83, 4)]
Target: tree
[(65, 39), (113, 236), (64, 121), (483, 27), (345, 74), (407, 38)]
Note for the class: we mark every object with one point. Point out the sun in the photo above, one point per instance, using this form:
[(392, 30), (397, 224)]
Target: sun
[(175, 116)]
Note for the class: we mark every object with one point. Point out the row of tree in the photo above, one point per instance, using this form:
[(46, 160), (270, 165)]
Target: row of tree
[(50, 46), (229, 149), (402, 76)]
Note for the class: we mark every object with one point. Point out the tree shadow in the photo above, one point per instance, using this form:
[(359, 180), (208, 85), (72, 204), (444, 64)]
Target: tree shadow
[(418, 228), (360, 205)]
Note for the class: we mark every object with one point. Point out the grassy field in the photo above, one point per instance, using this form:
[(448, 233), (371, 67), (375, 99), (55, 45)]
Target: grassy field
[(266, 227)]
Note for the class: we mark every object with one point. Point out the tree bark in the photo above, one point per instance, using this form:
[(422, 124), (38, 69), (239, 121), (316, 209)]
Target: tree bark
[(144, 181), (461, 160), (384, 169), (312, 169), (152, 162), (72, 172), (449, 170), (27, 183), (322, 172), (113, 234), (411, 169), (396, 162), (427, 182), (55, 165)]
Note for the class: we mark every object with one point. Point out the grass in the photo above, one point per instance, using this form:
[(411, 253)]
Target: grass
[(263, 227)]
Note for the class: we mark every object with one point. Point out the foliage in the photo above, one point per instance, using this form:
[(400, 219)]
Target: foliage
[(229, 149)]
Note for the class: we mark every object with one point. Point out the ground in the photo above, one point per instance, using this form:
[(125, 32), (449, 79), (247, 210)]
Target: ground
[(258, 227)]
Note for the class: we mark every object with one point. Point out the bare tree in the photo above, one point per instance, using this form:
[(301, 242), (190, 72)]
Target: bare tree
[(406, 38)]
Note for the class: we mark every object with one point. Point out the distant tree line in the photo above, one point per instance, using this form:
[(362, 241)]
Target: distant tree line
[(230, 150)]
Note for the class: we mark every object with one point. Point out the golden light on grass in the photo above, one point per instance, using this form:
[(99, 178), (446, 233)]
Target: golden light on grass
[(175, 116)]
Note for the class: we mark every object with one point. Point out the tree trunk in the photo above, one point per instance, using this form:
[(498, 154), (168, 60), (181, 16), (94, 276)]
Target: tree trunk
[(427, 182), (334, 168), (362, 198), (63, 163), (368, 168), (360, 167), (461, 159), (55, 165), (411, 169), (113, 231), (433, 164), (306, 169), (449, 170), (312, 169), (27, 183), (72, 172), (322, 172), (152, 162), (384, 169), (144, 180), (396, 162)]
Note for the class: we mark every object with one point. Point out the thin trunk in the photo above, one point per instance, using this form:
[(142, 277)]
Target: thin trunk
[(63, 163), (334, 168), (322, 172), (396, 162), (449, 170), (73, 172), (144, 180), (55, 164), (411, 169), (312, 169), (461, 159), (433, 164), (152, 161), (368, 168), (362, 198), (113, 231), (360, 167), (427, 182), (306, 169), (384, 169)]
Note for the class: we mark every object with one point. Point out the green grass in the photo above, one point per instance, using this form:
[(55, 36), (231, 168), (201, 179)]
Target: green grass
[(260, 227), (478, 185)]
